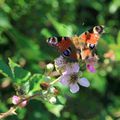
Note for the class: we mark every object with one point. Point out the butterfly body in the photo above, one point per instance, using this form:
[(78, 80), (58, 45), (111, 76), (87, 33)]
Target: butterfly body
[(78, 47)]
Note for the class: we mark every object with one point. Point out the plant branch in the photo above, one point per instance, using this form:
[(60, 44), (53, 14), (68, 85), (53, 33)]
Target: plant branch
[(12, 110)]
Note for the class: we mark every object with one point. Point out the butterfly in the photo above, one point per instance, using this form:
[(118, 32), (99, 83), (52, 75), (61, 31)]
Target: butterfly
[(78, 47)]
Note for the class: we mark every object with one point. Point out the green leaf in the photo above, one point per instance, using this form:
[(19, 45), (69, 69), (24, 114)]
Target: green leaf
[(38, 111), (4, 21), (55, 109), (3, 106), (114, 6), (118, 38), (45, 32), (20, 75), (61, 99), (35, 81), (98, 81), (62, 29), (116, 49), (5, 70), (30, 49), (12, 64)]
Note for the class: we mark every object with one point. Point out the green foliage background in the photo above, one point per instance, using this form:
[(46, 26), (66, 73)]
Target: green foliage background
[(24, 27)]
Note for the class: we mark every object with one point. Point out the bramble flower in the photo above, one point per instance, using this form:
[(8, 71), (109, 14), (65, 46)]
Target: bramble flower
[(17, 99), (71, 68), (90, 63), (63, 66), (91, 68), (60, 63), (70, 78)]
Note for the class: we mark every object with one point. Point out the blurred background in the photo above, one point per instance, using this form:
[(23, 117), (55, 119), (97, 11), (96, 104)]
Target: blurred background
[(24, 27)]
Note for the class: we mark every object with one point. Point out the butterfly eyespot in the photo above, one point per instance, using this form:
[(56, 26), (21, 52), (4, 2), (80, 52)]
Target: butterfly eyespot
[(67, 52), (98, 29), (52, 40), (91, 46)]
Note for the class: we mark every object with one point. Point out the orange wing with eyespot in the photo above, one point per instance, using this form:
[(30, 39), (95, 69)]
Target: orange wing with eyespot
[(87, 41), (89, 38), (77, 47)]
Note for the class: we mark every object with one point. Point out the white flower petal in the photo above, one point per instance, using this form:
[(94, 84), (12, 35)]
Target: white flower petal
[(74, 88), (68, 69), (75, 67), (64, 79), (84, 82), (60, 62), (72, 68)]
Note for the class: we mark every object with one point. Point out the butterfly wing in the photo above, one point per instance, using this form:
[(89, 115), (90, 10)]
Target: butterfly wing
[(77, 47), (87, 41), (65, 46), (90, 38)]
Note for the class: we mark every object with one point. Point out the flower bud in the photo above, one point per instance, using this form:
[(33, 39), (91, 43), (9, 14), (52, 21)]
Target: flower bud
[(91, 68), (54, 90), (23, 104), (52, 100), (44, 85), (50, 67), (17, 99)]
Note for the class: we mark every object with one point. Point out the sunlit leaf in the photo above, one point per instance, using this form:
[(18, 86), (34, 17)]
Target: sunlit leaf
[(20, 74), (5, 70), (63, 30), (55, 109), (118, 38), (4, 21), (35, 81)]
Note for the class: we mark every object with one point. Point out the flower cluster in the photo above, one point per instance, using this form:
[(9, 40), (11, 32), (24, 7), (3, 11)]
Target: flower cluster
[(71, 74), (16, 100), (90, 63)]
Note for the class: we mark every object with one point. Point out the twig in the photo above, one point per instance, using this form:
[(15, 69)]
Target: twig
[(12, 110)]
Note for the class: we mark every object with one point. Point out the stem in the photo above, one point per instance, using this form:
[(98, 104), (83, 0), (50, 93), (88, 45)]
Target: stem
[(12, 110), (53, 82)]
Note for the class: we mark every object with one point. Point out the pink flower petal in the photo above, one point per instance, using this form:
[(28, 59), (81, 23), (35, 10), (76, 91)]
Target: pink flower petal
[(15, 99), (91, 68), (84, 82), (74, 88), (64, 79), (23, 104)]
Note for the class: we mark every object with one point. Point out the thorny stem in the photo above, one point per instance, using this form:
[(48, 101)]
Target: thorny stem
[(12, 110)]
